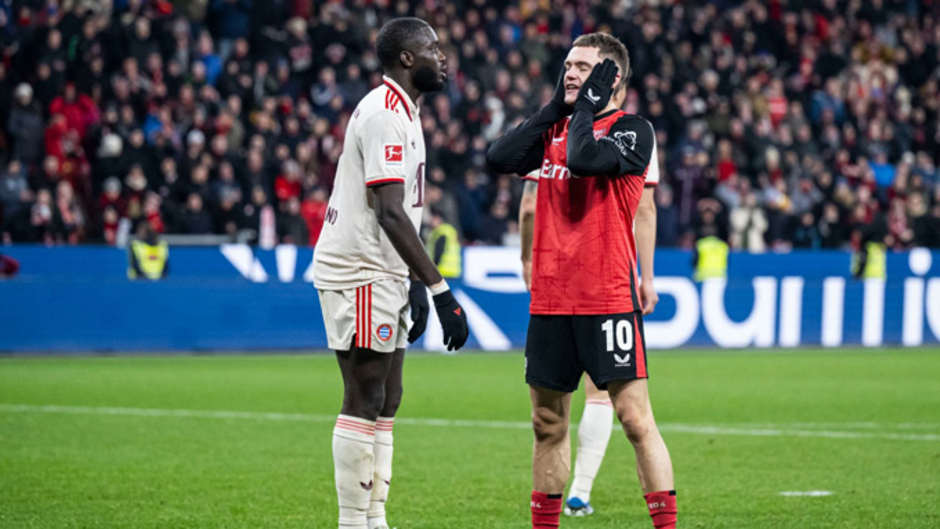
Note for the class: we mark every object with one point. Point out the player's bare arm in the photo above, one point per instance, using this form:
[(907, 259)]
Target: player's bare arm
[(391, 216), (527, 228), (522, 149), (645, 233)]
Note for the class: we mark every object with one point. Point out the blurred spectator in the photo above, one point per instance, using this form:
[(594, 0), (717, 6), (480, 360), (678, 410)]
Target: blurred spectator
[(831, 227), (195, 219), (667, 218), (824, 113), (232, 21), (444, 245), (803, 233), (148, 256), (26, 126), (14, 193), (313, 211), (38, 226), (79, 110), (748, 225), (495, 224), (927, 229), (69, 215), (291, 226)]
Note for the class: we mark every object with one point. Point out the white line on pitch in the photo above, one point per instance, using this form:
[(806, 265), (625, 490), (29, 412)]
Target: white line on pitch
[(782, 432), (810, 493), (850, 425), (271, 416)]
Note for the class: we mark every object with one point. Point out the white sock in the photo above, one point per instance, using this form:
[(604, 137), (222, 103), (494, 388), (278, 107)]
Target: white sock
[(593, 436), (383, 471), (353, 439)]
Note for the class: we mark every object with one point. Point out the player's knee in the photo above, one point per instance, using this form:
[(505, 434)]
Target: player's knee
[(638, 426), (548, 425), (366, 400), (393, 397)]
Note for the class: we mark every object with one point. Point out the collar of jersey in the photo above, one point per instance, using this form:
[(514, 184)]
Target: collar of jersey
[(604, 115), (410, 105)]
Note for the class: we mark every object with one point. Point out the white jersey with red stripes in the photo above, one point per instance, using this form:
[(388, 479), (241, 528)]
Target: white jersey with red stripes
[(384, 144)]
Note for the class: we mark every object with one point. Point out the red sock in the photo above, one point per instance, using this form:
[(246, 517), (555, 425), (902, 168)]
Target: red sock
[(546, 510), (662, 507)]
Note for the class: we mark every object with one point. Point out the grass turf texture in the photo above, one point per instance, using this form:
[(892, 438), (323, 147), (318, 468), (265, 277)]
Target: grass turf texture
[(83, 467)]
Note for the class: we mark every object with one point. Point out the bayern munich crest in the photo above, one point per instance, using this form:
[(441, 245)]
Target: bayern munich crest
[(384, 332)]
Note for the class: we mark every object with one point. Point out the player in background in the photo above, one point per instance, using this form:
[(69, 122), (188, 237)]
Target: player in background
[(597, 421), (367, 251), (585, 311)]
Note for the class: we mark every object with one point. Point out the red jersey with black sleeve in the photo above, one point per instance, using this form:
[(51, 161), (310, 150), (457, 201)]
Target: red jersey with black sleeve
[(584, 252)]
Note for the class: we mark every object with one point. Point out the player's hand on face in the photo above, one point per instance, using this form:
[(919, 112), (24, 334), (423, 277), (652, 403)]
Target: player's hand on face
[(453, 320), (558, 99), (596, 91), (420, 309), (648, 297)]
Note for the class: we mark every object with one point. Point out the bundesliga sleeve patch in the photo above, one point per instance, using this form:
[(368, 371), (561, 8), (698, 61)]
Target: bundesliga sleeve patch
[(394, 155)]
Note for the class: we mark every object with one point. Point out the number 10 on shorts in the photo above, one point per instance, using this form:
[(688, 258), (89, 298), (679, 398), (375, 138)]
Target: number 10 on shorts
[(622, 332)]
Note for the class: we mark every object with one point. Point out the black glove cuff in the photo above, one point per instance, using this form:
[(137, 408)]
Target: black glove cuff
[(585, 106), (416, 284), (558, 110), (444, 298)]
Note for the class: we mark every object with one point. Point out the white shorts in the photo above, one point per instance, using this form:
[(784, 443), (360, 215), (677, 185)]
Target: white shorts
[(374, 315)]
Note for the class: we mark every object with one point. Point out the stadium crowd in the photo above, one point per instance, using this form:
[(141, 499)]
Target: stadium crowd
[(781, 124)]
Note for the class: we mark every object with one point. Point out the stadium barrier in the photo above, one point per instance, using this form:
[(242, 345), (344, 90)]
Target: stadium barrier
[(236, 297)]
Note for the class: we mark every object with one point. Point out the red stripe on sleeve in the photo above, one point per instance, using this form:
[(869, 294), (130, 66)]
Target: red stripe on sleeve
[(385, 181)]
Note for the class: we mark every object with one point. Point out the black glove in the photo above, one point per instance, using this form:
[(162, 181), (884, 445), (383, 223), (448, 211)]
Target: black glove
[(453, 320), (558, 99), (418, 299), (596, 91)]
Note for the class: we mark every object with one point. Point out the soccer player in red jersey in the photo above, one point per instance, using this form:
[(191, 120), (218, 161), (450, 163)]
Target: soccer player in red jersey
[(586, 315)]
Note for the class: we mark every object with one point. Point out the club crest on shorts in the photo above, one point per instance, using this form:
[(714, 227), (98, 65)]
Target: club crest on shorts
[(384, 332)]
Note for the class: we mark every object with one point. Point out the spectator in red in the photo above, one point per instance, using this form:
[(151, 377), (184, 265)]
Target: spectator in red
[(56, 136), (79, 110), (313, 211), (726, 166), (287, 185), (776, 102), (111, 197)]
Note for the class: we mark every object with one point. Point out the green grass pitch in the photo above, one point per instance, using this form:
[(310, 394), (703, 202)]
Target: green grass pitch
[(147, 442)]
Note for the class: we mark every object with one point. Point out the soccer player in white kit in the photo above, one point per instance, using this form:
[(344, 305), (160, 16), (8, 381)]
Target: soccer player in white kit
[(367, 251)]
